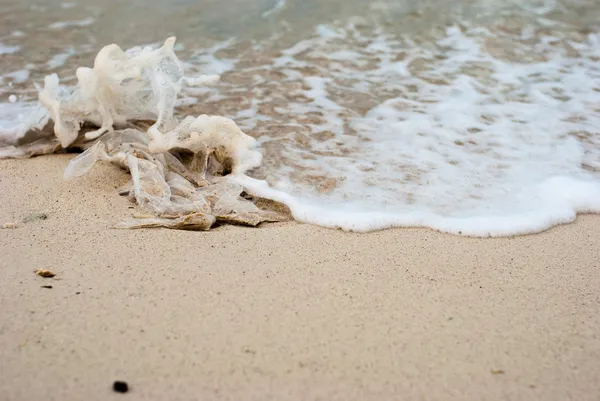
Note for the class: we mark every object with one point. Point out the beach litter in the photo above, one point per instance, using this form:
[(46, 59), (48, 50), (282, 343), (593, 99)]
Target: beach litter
[(183, 171)]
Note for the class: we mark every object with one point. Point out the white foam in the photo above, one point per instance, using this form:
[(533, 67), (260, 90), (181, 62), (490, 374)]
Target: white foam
[(16, 77), (457, 136), (5, 49), (208, 62), (560, 199), (275, 9), (70, 24), (16, 118), (58, 60)]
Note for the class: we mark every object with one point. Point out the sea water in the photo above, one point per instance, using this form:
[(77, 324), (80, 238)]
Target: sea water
[(477, 117)]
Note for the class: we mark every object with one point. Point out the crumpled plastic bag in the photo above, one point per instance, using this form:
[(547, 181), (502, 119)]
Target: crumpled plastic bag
[(171, 185), (180, 170)]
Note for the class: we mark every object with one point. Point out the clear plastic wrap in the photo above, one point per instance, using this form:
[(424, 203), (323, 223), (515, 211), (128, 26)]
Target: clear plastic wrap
[(179, 170)]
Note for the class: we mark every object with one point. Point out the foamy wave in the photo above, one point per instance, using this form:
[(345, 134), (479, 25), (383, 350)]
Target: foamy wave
[(482, 131)]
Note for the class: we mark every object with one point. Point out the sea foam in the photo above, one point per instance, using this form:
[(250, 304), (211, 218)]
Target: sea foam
[(479, 131)]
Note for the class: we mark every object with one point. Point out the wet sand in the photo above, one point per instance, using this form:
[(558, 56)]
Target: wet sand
[(285, 311)]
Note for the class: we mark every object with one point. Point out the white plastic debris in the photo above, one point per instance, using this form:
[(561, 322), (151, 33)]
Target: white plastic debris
[(179, 169)]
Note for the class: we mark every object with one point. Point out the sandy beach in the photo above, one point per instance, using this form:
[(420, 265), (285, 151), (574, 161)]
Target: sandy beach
[(285, 311)]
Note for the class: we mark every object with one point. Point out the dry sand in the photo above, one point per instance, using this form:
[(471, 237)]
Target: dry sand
[(286, 311)]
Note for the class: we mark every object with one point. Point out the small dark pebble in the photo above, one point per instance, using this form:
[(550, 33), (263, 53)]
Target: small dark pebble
[(46, 286), (77, 293), (120, 387)]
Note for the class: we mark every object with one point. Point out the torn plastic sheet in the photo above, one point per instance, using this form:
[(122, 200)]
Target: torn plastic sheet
[(121, 112)]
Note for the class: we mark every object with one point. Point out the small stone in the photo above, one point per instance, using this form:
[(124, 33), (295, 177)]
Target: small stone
[(9, 225), (46, 286), (120, 386), (12, 98), (44, 273)]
